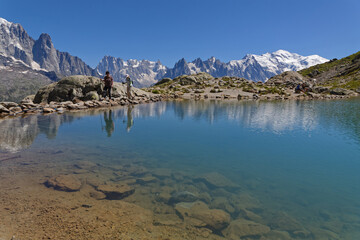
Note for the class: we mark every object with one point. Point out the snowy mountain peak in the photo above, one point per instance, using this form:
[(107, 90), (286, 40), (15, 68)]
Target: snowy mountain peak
[(5, 22), (143, 72), (251, 66), (283, 52)]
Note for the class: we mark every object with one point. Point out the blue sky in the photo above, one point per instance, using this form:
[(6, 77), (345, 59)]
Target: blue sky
[(169, 30)]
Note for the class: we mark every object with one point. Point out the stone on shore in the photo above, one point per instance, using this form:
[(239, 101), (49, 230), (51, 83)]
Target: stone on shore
[(67, 183), (3, 109), (48, 110), (81, 88)]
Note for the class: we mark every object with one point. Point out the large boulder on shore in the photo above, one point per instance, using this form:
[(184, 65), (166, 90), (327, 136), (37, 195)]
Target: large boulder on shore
[(80, 87), (288, 79)]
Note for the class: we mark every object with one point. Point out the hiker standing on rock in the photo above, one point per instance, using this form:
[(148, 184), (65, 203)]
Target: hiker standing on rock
[(108, 84), (129, 84)]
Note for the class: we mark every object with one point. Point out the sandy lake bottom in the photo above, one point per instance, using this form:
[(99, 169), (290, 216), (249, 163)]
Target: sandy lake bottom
[(184, 170)]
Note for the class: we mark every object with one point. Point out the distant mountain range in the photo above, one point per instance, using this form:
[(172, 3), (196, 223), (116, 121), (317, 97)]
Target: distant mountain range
[(252, 67), (20, 53)]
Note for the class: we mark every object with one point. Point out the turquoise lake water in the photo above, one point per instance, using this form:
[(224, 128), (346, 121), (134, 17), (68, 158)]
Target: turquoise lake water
[(301, 158)]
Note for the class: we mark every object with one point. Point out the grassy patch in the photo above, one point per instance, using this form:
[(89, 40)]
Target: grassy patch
[(329, 65)]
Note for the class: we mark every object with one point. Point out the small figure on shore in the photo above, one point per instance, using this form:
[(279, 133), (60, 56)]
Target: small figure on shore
[(303, 87), (129, 84), (108, 80), (298, 88)]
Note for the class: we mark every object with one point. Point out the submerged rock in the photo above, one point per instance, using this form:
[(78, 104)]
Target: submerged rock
[(116, 192), (282, 221), (167, 220), (198, 213), (67, 183), (222, 203), (184, 196), (97, 195), (216, 180), (278, 235), (85, 165), (146, 179), (162, 173), (241, 228)]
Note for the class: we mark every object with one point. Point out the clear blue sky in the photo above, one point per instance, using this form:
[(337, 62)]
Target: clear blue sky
[(171, 29)]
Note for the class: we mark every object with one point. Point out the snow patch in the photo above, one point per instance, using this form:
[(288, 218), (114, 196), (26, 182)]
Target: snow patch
[(5, 22)]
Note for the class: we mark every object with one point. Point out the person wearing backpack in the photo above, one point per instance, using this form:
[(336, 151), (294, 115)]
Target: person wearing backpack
[(129, 84), (108, 80)]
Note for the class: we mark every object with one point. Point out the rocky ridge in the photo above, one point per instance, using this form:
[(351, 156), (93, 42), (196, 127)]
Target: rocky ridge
[(204, 86)]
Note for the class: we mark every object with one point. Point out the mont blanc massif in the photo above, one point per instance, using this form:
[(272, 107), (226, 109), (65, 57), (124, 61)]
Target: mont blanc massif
[(33, 63)]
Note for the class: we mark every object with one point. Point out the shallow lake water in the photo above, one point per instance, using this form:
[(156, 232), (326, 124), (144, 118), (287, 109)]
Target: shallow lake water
[(292, 166)]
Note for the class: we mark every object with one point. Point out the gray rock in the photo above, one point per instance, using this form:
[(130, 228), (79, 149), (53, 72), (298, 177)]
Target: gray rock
[(9, 104), (93, 95), (184, 196), (80, 88), (320, 89), (3, 109), (340, 91)]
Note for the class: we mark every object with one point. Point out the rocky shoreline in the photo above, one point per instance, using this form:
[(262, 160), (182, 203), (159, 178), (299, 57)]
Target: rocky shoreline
[(72, 94), (12, 109), (81, 93)]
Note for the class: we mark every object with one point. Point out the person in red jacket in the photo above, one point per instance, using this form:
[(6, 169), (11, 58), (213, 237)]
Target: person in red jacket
[(108, 84)]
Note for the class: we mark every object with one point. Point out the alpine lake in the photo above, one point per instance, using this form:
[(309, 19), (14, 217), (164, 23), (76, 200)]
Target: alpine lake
[(184, 170)]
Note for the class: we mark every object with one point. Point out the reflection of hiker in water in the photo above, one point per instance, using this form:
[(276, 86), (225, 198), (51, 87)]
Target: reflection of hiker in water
[(130, 121), (109, 123)]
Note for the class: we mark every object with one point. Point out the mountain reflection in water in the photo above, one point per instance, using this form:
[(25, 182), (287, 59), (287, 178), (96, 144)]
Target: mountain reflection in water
[(276, 117)]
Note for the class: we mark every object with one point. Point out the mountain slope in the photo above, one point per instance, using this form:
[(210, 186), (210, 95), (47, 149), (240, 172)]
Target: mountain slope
[(18, 80), (39, 54), (144, 72), (344, 73), (27, 64)]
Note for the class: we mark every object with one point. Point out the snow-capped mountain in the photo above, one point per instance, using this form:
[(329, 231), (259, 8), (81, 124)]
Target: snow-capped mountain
[(252, 67), (144, 72), (38, 54)]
